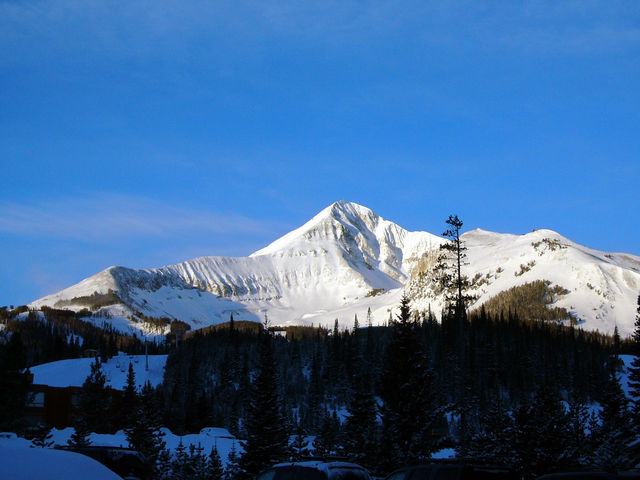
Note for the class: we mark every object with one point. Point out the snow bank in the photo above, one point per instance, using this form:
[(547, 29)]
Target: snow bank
[(19, 461)]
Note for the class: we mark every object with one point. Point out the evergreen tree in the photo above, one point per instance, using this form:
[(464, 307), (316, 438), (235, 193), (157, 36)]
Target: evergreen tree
[(492, 439), (612, 437), (164, 465), (578, 447), (80, 436), (634, 374), (197, 463), (449, 269), (410, 410), (42, 437), (327, 442), (233, 470), (129, 405), (180, 465), (95, 400), (542, 433), (267, 436), (14, 384), (299, 446), (361, 426), (145, 435), (214, 465)]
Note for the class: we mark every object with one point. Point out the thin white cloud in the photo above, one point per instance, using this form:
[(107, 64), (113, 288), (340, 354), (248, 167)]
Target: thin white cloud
[(183, 29), (108, 216)]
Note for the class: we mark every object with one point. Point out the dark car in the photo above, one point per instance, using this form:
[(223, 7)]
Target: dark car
[(589, 476), (125, 462), (452, 471), (315, 470)]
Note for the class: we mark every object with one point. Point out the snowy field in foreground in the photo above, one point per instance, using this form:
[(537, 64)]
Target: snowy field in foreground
[(18, 462)]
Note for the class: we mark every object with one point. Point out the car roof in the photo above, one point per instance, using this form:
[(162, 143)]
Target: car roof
[(320, 465)]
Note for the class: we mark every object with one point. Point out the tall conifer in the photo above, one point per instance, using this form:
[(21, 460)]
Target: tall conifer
[(267, 436)]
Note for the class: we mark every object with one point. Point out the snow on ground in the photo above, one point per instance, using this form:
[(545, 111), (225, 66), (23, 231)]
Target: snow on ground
[(207, 438), (20, 462), (73, 372)]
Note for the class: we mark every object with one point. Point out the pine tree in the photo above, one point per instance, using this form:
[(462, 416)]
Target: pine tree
[(164, 465), (145, 434), (299, 445), (80, 436), (541, 433), (361, 426), (197, 463), (95, 400), (492, 439), (327, 442), (449, 269), (614, 434), (634, 374), (180, 463), (356, 324), (410, 410), (14, 384), (42, 437), (267, 436), (129, 403), (214, 465), (578, 446), (233, 470)]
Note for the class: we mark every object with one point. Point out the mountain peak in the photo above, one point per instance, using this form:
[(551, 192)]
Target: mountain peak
[(328, 222)]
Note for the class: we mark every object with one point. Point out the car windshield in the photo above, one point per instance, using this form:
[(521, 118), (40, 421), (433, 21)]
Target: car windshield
[(343, 473)]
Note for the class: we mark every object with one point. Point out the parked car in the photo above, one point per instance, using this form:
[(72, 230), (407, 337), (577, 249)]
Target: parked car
[(315, 470), (125, 462), (452, 471), (590, 476)]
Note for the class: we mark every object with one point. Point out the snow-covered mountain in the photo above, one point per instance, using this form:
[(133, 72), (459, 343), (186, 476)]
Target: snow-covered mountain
[(346, 260)]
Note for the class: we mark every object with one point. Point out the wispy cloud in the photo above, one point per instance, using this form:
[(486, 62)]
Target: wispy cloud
[(107, 216), (183, 29)]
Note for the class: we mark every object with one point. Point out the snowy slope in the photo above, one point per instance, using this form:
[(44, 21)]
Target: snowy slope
[(73, 372), (346, 260)]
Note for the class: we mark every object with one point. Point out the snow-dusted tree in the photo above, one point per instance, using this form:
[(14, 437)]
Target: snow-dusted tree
[(232, 471), (299, 445), (42, 437), (267, 436)]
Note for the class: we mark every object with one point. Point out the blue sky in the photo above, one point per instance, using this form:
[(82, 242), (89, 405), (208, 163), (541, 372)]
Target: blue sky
[(143, 133)]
